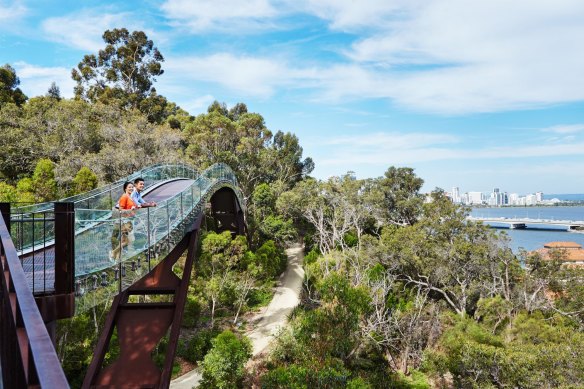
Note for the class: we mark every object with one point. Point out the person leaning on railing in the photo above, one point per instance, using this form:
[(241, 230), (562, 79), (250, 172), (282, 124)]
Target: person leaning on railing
[(137, 197), (123, 232)]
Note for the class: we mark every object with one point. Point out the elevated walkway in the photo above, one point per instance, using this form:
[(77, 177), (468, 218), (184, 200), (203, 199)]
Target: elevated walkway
[(78, 253)]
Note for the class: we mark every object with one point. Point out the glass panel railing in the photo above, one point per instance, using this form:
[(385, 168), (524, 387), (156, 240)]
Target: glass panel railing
[(105, 196), (29, 235), (113, 250)]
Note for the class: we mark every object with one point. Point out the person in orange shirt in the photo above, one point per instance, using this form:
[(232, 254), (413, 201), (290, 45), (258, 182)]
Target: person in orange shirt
[(126, 201), (123, 235)]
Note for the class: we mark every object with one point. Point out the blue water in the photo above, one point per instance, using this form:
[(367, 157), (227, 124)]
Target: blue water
[(531, 239)]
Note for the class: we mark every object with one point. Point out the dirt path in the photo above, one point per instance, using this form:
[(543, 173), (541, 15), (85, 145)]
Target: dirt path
[(266, 323)]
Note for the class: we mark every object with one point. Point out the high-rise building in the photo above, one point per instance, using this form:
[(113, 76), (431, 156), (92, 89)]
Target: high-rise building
[(455, 195), (539, 196), (464, 199), (475, 198), (497, 198)]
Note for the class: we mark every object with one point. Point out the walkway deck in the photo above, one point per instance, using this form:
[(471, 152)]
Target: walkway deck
[(39, 265)]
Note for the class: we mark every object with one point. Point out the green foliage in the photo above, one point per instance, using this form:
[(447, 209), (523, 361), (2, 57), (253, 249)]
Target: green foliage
[(241, 139), (531, 353), (264, 200), (223, 366), (114, 142), (312, 256), (301, 377), (401, 200), (8, 193), (358, 383), (123, 72), (220, 252), (197, 346), (54, 92), (260, 296), (24, 188), (275, 227), (340, 313), (76, 340), (270, 259), (464, 255), (493, 312), (192, 311), (43, 181), (351, 239), (84, 181), (9, 90)]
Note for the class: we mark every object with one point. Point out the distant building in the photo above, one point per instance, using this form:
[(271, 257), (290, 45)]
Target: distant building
[(513, 198), (455, 195), (530, 199), (497, 198), (475, 198), (464, 199), (573, 254), (539, 197)]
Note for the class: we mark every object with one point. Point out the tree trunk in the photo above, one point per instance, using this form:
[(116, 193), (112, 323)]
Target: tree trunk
[(213, 313), (404, 360)]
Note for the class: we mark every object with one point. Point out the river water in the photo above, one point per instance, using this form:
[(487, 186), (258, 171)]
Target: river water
[(531, 239)]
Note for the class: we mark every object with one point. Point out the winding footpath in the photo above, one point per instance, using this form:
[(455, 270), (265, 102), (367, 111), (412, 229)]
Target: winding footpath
[(267, 323)]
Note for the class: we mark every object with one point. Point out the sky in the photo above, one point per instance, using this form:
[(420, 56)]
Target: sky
[(474, 94)]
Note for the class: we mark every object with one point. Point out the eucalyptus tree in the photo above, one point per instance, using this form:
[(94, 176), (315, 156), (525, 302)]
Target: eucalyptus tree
[(123, 72), (446, 254), (9, 90), (241, 139)]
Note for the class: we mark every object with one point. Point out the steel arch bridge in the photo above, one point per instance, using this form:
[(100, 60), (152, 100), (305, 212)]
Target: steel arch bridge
[(68, 256)]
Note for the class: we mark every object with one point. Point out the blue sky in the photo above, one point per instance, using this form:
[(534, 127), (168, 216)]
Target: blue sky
[(477, 94)]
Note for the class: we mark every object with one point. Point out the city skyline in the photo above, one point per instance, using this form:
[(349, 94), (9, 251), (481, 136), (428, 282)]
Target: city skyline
[(465, 93), (498, 197)]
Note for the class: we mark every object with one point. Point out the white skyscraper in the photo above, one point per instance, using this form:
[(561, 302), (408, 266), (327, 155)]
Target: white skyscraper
[(475, 198), (530, 199), (539, 196), (455, 195)]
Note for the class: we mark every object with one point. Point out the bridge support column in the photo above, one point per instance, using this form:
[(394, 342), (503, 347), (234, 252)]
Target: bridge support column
[(61, 303), (141, 326)]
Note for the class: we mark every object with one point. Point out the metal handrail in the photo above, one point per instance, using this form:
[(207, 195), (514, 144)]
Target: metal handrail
[(28, 356), (83, 197)]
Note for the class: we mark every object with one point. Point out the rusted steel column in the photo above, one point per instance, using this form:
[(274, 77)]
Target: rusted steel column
[(5, 211), (64, 248)]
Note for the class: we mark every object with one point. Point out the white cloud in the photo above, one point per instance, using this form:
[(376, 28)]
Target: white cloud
[(36, 80), (198, 104), (388, 140), (350, 14), (250, 76), (10, 11), (448, 57), (455, 56), (565, 129), (386, 149), (228, 15), (84, 29)]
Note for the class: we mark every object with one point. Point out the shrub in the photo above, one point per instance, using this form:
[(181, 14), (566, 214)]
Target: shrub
[(223, 366)]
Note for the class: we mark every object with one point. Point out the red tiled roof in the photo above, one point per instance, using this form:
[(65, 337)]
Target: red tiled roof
[(562, 245), (573, 252)]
